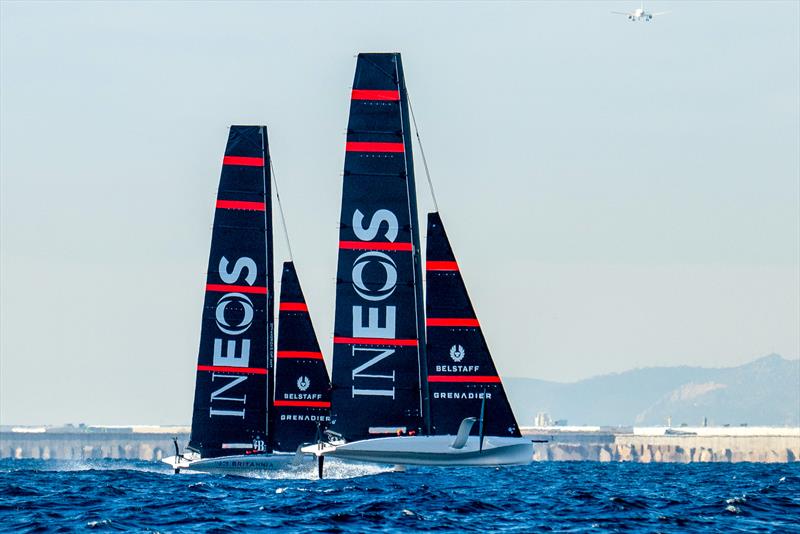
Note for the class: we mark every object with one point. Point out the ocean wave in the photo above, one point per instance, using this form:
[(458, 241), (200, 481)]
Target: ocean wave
[(40, 495)]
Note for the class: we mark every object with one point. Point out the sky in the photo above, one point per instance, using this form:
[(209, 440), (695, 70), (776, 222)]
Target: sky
[(618, 194)]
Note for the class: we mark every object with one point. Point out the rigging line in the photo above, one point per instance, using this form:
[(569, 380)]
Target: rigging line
[(422, 151), (280, 208)]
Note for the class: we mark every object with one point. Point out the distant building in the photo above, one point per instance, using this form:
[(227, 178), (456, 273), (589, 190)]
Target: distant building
[(542, 419)]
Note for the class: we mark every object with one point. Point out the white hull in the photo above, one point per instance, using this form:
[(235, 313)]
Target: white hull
[(431, 450), (239, 464)]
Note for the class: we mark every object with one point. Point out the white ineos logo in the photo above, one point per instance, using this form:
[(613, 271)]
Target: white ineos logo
[(241, 300), (303, 382), (233, 315), (358, 275), (378, 321), (457, 353), (259, 445)]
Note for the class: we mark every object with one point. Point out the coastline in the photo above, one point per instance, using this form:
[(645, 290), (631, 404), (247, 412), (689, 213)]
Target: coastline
[(601, 444)]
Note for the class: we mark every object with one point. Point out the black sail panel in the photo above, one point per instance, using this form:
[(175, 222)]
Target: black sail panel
[(377, 330), (234, 360), (461, 370), (302, 386)]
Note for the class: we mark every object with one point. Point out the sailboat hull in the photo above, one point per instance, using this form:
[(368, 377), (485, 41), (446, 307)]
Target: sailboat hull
[(241, 464), (431, 450)]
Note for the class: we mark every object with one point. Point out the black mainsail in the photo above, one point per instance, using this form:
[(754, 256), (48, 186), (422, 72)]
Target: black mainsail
[(379, 328), (387, 357), (461, 370), (302, 387), (236, 342)]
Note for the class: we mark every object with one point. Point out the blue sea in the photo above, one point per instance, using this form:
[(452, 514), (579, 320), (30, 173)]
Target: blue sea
[(121, 495)]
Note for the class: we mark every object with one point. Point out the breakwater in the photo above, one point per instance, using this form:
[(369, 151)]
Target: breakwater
[(765, 444)]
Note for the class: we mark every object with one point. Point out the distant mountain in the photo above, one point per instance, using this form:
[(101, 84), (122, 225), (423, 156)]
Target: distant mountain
[(763, 392)]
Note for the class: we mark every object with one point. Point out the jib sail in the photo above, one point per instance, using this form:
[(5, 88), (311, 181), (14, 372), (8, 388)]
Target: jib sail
[(235, 357), (460, 367), (302, 386), (379, 328)]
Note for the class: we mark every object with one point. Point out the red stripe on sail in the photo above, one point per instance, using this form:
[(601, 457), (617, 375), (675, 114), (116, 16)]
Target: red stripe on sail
[(241, 205), (441, 266), (375, 341), (243, 161), (451, 322), (375, 94), (227, 369), (293, 306), (299, 354), (227, 288), (472, 379), (369, 245), (360, 146), (303, 404)]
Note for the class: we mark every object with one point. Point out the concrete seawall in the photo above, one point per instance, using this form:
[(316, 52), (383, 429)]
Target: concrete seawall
[(85, 446), (706, 445)]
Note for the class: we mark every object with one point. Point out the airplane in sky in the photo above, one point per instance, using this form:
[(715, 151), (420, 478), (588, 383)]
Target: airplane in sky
[(640, 14)]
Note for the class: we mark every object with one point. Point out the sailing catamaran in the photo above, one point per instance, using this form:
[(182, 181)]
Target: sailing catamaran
[(396, 397), (244, 417)]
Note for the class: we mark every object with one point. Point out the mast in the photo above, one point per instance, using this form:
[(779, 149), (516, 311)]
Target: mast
[(414, 217), (235, 356), (268, 236), (302, 386), (377, 329), (464, 381)]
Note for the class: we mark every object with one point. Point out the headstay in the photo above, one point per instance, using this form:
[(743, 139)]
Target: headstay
[(302, 387), (461, 370), (379, 323), (236, 341)]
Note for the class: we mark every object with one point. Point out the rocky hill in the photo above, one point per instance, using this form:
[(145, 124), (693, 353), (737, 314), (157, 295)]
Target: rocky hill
[(763, 392)]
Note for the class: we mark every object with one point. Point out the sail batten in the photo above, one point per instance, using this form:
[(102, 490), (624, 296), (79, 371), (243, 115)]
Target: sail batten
[(241, 205), (363, 245), (232, 369), (375, 94), (226, 288), (246, 161), (362, 146), (462, 374)]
